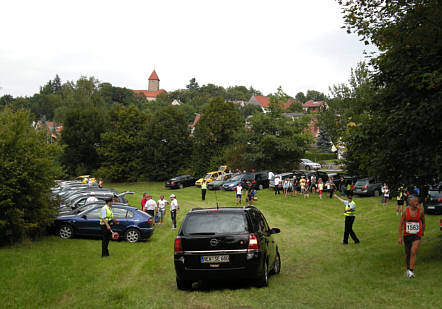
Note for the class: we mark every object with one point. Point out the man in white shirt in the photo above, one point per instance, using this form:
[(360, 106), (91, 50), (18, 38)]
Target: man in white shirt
[(161, 208), (91, 199), (277, 182), (173, 210), (150, 206), (238, 193)]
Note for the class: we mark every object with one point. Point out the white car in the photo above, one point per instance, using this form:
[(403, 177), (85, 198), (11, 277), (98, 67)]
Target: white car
[(309, 165)]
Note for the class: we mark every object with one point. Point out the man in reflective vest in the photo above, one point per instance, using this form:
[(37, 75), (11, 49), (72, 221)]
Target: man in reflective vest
[(412, 227), (107, 220), (203, 190), (349, 212)]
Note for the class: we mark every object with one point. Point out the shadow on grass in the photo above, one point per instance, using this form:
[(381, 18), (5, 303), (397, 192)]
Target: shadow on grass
[(218, 285)]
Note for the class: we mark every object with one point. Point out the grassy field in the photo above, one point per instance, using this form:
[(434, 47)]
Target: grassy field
[(317, 270)]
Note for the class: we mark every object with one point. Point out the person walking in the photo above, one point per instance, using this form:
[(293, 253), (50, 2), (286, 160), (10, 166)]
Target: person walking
[(150, 207), (349, 212), (385, 194), (161, 208), (106, 222), (203, 190), (411, 230), (173, 210), (400, 199)]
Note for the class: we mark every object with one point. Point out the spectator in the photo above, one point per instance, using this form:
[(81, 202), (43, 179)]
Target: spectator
[(285, 187), (150, 206), (100, 183), (143, 201), (342, 186), (313, 186), (173, 210), (331, 187), (295, 186), (91, 199), (321, 188), (161, 208), (277, 182)]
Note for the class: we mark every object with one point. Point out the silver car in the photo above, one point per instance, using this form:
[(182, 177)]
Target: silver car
[(307, 164)]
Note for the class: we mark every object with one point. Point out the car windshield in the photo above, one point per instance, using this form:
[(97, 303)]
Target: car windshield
[(361, 182), (210, 223), (307, 161), (236, 178), (435, 194), (208, 176)]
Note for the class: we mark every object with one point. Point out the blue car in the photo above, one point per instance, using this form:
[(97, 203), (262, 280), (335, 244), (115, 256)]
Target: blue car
[(134, 224), (233, 182)]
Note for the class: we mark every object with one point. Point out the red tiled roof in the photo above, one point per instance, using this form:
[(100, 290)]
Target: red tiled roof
[(262, 100), (312, 103), (149, 94), (154, 76)]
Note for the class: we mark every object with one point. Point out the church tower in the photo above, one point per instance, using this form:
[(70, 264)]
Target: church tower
[(154, 82)]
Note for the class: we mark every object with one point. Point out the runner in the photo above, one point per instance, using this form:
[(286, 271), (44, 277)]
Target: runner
[(400, 199), (412, 227)]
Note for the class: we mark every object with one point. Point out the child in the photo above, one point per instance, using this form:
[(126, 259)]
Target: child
[(238, 193)]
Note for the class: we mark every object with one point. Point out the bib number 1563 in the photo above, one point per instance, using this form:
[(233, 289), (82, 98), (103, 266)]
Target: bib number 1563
[(412, 227)]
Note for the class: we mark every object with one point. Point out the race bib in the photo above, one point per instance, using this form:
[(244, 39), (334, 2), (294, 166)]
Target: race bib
[(412, 227)]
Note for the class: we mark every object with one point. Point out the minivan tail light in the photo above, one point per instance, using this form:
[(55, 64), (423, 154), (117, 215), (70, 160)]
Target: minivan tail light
[(439, 200), (253, 242), (254, 181), (172, 183), (178, 246)]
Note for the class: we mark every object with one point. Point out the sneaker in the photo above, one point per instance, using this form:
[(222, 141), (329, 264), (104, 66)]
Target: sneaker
[(397, 214), (411, 274)]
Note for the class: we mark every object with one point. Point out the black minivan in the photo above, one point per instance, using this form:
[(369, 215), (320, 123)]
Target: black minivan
[(225, 243)]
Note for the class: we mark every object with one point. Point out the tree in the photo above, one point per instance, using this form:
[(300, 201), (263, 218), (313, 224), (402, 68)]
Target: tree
[(270, 141), (403, 128), (300, 96), (168, 144), (213, 133), (315, 96), (27, 174), (122, 148), (193, 85), (323, 141)]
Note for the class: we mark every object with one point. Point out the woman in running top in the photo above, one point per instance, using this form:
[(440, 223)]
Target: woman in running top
[(411, 227)]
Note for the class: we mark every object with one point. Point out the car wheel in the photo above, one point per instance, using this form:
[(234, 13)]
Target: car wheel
[(307, 167), (261, 187), (377, 193), (277, 266), (132, 235), (181, 186), (183, 284), (66, 231), (263, 280)]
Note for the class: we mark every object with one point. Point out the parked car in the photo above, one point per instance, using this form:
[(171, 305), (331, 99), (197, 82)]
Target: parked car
[(259, 180), (220, 180), (282, 176), (368, 187), (225, 243), (79, 200), (433, 202), (133, 226), (180, 182), (209, 177), (307, 164), (231, 184)]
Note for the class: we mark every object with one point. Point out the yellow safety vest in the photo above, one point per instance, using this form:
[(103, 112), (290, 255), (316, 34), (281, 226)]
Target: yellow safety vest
[(204, 185), (109, 215), (348, 210)]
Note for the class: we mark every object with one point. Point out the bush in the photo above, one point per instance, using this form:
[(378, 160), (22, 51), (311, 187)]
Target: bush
[(26, 175), (316, 157)]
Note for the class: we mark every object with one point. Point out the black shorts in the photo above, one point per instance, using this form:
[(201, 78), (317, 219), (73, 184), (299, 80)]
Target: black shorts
[(400, 202), (408, 240)]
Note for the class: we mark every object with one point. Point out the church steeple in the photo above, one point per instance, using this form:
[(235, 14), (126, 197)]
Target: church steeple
[(154, 82)]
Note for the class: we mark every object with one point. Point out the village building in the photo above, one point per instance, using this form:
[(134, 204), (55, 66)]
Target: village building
[(264, 103), (153, 89)]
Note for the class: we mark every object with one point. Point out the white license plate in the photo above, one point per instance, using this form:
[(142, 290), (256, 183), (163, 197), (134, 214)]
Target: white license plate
[(215, 259), (431, 207)]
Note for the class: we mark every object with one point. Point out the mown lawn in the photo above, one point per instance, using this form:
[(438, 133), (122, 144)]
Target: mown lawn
[(317, 270)]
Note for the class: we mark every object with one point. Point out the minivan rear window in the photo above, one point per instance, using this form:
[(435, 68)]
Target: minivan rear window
[(211, 223)]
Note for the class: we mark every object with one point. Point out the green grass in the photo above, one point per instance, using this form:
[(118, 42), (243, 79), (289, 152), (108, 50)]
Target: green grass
[(317, 271)]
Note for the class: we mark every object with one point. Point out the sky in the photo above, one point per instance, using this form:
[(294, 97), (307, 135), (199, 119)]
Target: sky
[(296, 44)]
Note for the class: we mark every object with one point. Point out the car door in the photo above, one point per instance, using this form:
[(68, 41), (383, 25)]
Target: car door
[(89, 222), (123, 221), (269, 240)]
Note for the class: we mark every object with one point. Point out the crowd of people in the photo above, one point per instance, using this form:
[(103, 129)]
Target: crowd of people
[(157, 209), (290, 186)]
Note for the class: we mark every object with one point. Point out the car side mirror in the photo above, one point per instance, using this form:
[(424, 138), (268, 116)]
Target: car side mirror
[(275, 230)]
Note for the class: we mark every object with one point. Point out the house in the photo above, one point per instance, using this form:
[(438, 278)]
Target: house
[(153, 89), (313, 106), (176, 102), (264, 102)]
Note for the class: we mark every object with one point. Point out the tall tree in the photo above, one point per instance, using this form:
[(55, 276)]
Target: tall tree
[(27, 172), (403, 130), (122, 147), (168, 144), (213, 133)]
